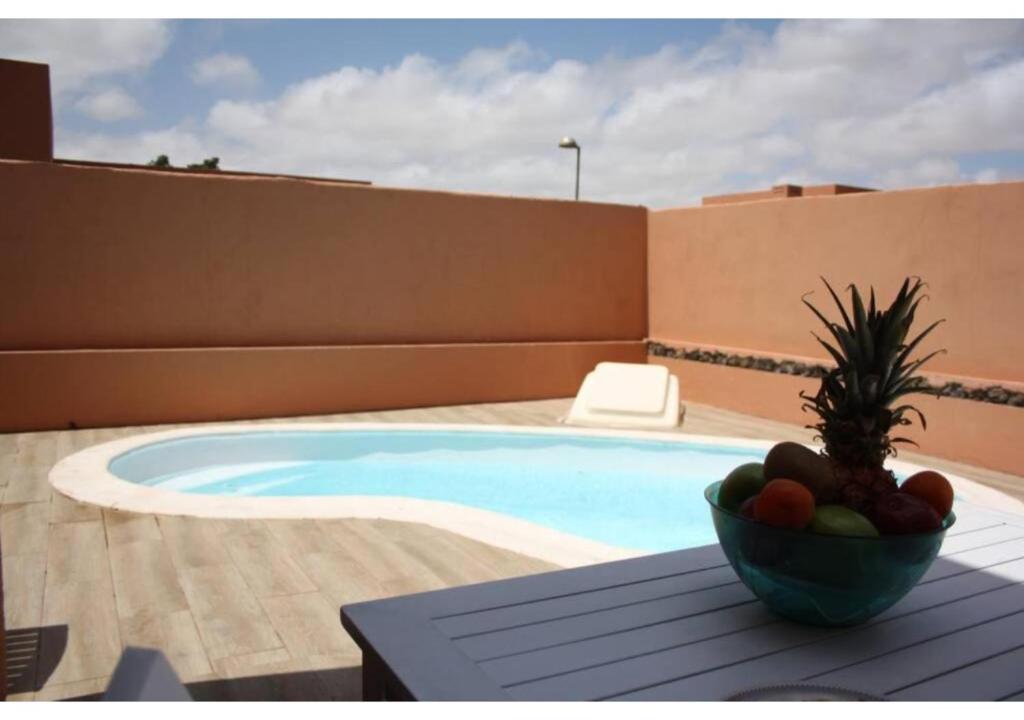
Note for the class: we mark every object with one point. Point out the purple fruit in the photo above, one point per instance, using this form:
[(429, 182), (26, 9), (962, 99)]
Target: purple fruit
[(900, 513), (747, 507)]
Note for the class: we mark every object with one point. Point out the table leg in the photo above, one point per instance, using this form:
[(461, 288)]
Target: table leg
[(374, 684)]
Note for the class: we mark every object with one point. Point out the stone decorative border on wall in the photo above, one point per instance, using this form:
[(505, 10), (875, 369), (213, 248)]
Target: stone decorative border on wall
[(995, 394)]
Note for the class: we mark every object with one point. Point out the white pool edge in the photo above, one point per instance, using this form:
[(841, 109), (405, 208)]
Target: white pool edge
[(85, 476)]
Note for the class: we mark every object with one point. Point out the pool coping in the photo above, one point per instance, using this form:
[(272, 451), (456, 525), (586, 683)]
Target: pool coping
[(85, 476)]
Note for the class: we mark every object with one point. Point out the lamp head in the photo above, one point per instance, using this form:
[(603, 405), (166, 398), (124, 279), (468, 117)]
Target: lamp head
[(568, 142)]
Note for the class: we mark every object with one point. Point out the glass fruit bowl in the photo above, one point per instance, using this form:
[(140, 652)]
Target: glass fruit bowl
[(830, 580)]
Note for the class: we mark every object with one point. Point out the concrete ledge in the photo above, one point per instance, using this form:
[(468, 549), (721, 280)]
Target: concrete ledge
[(58, 389)]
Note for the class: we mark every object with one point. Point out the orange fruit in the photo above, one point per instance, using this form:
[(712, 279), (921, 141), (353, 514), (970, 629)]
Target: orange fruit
[(784, 503), (931, 487)]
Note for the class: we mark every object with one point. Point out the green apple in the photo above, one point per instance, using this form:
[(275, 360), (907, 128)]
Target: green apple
[(841, 520), (743, 482)]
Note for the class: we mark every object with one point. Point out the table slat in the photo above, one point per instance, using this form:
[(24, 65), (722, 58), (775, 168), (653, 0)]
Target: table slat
[(591, 601), (518, 669), (995, 677), (567, 630), (450, 602), (927, 613), (941, 655), (980, 538), (975, 559)]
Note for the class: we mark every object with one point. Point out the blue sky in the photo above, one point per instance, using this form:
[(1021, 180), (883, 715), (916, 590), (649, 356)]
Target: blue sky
[(287, 51), (666, 111)]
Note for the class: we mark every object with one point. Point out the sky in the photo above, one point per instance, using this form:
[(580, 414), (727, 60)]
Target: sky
[(665, 111)]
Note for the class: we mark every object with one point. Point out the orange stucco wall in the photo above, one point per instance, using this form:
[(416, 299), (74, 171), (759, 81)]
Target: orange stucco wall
[(95, 388), (107, 258), (733, 275), (134, 296), (26, 121)]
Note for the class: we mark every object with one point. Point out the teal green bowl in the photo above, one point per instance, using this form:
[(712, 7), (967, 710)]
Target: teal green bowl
[(830, 580)]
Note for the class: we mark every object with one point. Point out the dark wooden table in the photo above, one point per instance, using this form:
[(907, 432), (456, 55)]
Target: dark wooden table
[(679, 626)]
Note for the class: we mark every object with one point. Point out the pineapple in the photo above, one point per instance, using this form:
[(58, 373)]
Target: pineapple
[(855, 402)]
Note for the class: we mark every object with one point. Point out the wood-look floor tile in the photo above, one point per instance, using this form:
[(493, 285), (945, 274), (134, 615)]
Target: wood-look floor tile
[(125, 527), (91, 689), (145, 580), (391, 564), (309, 624), (28, 696), (86, 608), (251, 663), (454, 565), (227, 613), (76, 552), (64, 509), (24, 584), (27, 484), (193, 542), (270, 675), (24, 528), (341, 578), (267, 568), (301, 537), (176, 635)]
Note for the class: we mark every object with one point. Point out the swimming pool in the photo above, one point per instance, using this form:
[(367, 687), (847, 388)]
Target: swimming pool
[(570, 496), (638, 494)]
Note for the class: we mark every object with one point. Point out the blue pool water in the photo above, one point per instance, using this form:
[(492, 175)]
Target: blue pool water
[(638, 494)]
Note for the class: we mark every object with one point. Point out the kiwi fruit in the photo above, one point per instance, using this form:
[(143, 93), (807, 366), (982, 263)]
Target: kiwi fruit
[(793, 461)]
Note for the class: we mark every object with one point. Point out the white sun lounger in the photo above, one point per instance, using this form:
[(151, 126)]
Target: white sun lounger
[(627, 395)]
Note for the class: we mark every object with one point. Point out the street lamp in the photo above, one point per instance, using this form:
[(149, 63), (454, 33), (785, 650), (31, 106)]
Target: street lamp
[(571, 144)]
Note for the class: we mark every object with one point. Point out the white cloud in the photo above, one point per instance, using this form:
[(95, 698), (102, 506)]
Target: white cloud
[(109, 105), (886, 104), (180, 144), (79, 51), (924, 173), (225, 70)]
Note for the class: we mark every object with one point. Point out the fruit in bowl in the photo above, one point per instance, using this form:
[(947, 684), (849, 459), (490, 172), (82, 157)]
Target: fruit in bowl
[(841, 520), (830, 537)]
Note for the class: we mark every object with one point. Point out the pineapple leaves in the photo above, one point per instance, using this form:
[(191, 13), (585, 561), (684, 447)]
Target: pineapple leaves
[(839, 304), (913, 343), (831, 350), (907, 373), (832, 327), (873, 369), (908, 441), (863, 329), (898, 413)]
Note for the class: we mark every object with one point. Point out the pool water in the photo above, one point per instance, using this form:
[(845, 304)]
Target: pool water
[(638, 494)]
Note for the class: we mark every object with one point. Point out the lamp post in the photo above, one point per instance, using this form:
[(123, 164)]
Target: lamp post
[(571, 144)]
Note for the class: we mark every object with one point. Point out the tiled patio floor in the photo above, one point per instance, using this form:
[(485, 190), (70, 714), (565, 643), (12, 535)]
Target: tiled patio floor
[(244, 609)]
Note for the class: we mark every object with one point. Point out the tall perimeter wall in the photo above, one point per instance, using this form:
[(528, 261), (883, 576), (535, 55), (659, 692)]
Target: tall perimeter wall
[(728, 279), (135, 296)]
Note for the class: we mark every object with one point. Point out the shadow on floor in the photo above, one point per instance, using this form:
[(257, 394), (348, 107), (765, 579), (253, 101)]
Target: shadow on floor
[(312, 685), (328, 684), (32, 656)]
